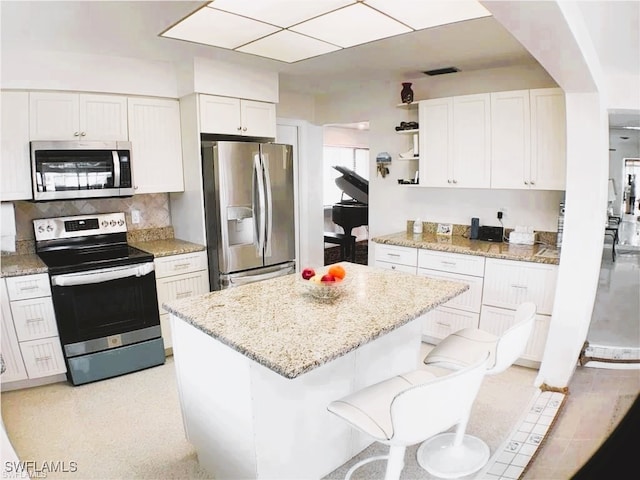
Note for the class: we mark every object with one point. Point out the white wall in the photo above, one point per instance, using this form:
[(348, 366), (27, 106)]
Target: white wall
[(346, 137)]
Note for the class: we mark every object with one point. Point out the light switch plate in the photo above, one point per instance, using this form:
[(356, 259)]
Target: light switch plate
[(444, 229)]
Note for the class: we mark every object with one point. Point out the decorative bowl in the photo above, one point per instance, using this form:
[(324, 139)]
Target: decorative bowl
[(324, 290)]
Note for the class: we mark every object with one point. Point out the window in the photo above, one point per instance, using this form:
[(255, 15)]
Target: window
[(356, 159)]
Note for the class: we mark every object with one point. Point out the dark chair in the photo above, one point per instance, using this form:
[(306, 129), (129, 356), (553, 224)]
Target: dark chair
[(347, 244)]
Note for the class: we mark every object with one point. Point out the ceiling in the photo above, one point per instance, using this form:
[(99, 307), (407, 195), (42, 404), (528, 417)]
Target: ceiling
[(132, 29)]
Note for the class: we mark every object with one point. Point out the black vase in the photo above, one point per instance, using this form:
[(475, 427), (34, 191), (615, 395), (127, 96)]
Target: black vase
[(406, 94)]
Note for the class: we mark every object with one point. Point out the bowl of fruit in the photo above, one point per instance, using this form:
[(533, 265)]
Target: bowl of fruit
[(325, 284)]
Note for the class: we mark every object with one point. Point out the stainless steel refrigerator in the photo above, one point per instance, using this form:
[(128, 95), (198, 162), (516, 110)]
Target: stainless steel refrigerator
[(249, 211)]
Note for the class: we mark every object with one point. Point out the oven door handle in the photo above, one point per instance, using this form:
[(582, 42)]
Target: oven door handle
[(103, 275)]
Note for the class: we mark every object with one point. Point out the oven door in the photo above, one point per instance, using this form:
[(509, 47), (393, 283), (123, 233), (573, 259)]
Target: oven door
[(106, 308)]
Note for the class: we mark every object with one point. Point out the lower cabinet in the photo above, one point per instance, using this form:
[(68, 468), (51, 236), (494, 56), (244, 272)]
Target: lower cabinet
[(496, 288), (32, 347), (177, 277)]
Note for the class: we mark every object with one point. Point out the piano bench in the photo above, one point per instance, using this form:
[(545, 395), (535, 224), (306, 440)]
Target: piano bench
[(347, 244)]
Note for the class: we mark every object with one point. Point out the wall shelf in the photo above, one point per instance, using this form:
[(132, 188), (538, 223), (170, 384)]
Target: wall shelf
[(406, 132)]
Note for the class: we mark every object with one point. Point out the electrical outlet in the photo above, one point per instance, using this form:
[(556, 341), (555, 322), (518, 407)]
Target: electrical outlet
[(504, 212), (135, 216)]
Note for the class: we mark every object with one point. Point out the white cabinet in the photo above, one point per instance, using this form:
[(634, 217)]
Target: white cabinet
[(177, 277), (528, 139), (69, 116), (11, 355), (462, 311), (403, 259), (455, 141), (15, 181), (510, 140), (154, 132), (507, 284), (498, 320), (548, 139), (234, 116), (33, 317)]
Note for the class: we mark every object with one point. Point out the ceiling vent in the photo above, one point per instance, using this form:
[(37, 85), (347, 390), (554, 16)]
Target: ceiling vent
[(441, 71)]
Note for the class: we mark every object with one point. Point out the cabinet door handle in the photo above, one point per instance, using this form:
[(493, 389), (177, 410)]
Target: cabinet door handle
[(83, 134), (27, 289), (526, 183), (184, 294), (444, 324), (244, 129), (393, 254), (448, 181), (533, 183), (519, 286), (393, 267), (239, 128), (445, 262), (76, 134), (180, 266), (34, 320), (455, 181), (43, 359)]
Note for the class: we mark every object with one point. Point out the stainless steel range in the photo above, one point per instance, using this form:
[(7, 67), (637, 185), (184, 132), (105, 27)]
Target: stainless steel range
[(104, 296)]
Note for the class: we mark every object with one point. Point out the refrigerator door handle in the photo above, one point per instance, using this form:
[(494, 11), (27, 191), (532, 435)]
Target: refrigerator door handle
[(260, 211), (269, 216)]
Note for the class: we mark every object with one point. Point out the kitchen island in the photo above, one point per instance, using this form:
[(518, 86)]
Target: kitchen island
[(257, 366)]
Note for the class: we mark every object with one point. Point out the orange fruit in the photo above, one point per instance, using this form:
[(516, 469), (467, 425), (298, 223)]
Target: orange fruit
[(337, 271)]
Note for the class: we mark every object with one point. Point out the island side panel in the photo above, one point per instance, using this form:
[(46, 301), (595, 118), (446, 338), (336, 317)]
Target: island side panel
[(296, 437), (214, 384)]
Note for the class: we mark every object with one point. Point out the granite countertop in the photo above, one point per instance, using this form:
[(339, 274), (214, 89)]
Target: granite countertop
[(27, 264), (167, 246), (279, 325), (458, 244)]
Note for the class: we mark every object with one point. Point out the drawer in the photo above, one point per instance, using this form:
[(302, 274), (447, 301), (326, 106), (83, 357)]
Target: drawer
[(396, 267), (28, 286), (43, 357), (397, 255), (181, 286), (508, 283), (451, 262), (443, 321), (34, 318), (183, 263), (469, 300)]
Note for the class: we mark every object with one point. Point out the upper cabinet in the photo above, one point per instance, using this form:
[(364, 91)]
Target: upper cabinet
[(154, 132), (15, 181), (528, 139), (455, 141), (548, 139), (68, 116), (233, 116), (510, 140)]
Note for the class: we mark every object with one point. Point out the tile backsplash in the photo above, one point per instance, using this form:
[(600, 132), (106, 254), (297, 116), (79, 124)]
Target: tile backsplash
[(154, 211)]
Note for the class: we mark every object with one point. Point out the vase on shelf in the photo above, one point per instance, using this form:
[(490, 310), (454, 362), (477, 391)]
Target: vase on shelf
[(406, 94)]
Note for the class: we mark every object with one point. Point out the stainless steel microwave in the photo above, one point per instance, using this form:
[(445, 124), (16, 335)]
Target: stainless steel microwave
[(66, 170)]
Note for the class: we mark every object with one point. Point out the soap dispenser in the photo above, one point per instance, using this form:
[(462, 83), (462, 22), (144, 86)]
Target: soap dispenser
[(417, 226)]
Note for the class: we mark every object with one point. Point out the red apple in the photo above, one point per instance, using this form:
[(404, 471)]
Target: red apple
[(328, 278), (307, 273)]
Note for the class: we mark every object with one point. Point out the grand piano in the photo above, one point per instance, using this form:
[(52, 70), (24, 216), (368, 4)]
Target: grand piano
[(350, 213)]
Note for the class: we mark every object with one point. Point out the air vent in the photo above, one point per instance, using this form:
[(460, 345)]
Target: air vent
[(441, 71)]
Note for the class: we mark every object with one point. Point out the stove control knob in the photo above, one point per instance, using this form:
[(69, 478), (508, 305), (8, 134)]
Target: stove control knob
[(49, 228), (104, 224), (112, 223), (120, 222), (40, 229)]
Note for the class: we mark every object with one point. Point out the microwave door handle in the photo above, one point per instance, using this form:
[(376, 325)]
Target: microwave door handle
[(269, 201), (260, 214), (116, 168), (100, 276)]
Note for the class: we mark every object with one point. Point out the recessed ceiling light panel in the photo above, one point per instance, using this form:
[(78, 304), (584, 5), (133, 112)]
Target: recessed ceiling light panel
[(288, 46), (351, 26), (283, 13), (219, 29), (419, 14)]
